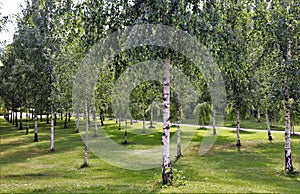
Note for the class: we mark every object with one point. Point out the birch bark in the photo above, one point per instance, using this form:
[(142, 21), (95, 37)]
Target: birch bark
[(288, 150), (95, 124), (27, 123), (238, 128), (21, 120), (178, 135), (85, 162), (52, 133), (166, 160), (35, 128), (214, 122), (268, 126)]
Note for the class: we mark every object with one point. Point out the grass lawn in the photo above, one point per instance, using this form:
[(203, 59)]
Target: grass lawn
[(258, 166), (253, 124)]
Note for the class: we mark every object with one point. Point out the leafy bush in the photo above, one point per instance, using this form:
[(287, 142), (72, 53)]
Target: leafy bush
[(178, 179)]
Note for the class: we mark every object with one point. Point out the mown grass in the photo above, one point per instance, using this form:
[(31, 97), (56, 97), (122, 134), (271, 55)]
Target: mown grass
[(252, 123), (258, 166)]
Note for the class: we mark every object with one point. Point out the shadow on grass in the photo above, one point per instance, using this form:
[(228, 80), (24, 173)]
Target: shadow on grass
[(30, 175), (24, 148), (242, 132), (254, 163)]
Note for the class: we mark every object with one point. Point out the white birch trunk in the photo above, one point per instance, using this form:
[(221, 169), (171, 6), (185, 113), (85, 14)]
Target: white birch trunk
[(77, 123), (288, 150), (151, 117), (268, 126), (85, 162), (258, 115), (35, 128), (178, 135), (66, 119), (95, 124), (119, 123), (144, 120), (238, 128), (52, 133), (125, 133), (166, 160), (214, 122), (21, 120), (27, 122)]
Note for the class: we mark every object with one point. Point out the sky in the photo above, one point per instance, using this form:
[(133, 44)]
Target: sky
[(9, 7), (12, 7)]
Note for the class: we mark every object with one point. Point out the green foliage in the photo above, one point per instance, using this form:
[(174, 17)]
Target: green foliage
[(204, 111), (2, 107), (178, 180)]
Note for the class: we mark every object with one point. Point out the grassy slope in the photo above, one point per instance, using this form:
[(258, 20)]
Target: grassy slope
[(256, 167)]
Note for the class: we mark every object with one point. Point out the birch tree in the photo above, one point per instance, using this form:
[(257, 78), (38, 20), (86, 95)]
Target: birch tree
[(167, 174), (283, 25), (85, 161)]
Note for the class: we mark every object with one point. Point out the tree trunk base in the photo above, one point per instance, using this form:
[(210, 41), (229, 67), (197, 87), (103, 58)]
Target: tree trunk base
[(214, 133), (35, 138), (167, 177), (84, 165), (125, 142), (238, 144), (152, 126), (179, 156), (288, 163), (26, 133), (95, 135), (77, 131), (52, 150), (270, 138)]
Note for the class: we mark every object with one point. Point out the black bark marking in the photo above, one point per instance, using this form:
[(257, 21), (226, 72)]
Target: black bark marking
[(238, 144), (288, 162), (35, 137), (270, 136)]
